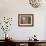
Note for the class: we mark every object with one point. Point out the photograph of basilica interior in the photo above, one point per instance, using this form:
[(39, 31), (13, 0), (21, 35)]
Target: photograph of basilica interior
[(22, 22)]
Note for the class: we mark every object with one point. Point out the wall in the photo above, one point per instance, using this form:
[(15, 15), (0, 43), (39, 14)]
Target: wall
[(11, 8)]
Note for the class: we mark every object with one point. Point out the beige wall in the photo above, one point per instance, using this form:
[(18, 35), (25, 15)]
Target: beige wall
[(11, 8)]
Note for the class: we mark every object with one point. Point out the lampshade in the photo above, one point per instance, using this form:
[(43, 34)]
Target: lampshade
[(36, 3)]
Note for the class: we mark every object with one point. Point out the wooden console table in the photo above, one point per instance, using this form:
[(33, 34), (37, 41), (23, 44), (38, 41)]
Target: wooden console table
[(27, 43)]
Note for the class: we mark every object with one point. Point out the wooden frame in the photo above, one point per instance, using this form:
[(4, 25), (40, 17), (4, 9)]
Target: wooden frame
[(25, 20)]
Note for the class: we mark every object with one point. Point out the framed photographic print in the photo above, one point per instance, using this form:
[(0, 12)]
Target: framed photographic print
[(25, 20)]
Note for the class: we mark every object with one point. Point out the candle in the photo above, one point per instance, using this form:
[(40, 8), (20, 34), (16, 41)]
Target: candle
[(7, 35)]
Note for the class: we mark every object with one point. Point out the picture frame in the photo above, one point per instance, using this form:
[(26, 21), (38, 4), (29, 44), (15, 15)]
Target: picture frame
[(25, 20)]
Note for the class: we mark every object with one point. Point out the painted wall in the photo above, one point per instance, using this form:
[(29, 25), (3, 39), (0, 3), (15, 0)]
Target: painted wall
[(11, 8)]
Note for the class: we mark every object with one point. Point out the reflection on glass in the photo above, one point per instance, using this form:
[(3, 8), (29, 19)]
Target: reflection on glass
[(25, 20)]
